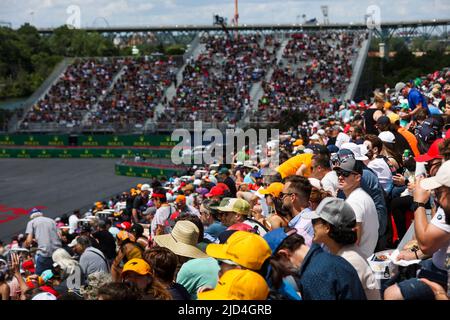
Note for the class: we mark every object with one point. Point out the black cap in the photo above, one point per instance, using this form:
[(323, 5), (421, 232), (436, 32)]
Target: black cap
[(383, 120), (223, 236), (137, 229)]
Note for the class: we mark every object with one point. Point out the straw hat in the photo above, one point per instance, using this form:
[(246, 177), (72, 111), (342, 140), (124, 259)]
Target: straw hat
[(182, 240)]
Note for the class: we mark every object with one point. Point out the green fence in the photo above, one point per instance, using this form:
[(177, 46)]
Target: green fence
[(84, 146), (145, 172), (82, 153), (34, 140)]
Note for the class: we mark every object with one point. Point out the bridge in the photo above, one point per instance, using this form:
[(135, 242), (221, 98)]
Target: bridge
[(401, 27)]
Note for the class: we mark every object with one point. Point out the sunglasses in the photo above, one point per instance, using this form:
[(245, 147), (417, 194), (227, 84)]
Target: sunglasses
[(283, 195), (343, 173)]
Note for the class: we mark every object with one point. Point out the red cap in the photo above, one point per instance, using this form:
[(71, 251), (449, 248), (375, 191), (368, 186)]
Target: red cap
[(241, 227), (215, 192), (347, 127), (49, 290), (223, 186), (432, 153), (447, 134), (124, 225), (28, 265)]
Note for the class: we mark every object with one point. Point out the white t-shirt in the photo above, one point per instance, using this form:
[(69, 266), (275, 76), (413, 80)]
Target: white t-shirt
[(160, 218), (366, 213), (190, 200), (341, 139), (381, 168), (440, 255), (352, 254), (73, 223), (330, 183)]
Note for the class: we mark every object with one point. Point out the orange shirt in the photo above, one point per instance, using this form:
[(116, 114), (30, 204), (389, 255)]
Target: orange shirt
[(412, 140)]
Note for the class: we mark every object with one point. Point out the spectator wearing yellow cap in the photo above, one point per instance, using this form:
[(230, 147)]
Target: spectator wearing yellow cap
[(138, 272), (238, 285), (277, 218), (241, 250)]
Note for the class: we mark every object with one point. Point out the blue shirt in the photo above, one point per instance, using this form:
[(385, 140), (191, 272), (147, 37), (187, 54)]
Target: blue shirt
[(215, 229), (324, 276), (415, 97)]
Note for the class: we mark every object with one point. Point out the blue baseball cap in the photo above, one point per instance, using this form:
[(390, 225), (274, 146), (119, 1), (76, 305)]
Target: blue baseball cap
[(256, 175), (275, 237)]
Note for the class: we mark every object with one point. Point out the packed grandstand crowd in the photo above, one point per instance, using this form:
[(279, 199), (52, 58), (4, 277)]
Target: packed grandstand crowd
[(215, 87), (358, 204)]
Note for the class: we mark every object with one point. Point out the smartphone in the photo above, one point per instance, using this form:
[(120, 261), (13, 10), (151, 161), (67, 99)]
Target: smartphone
[(432, 276)]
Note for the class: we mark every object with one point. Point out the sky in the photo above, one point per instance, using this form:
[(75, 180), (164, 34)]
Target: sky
[(100, 13)]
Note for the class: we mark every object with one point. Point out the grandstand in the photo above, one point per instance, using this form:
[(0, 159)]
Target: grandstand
[(222, 81)]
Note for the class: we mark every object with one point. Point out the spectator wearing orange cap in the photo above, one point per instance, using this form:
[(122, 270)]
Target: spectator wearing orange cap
[(183, 208), (138, 272), (128, 249)]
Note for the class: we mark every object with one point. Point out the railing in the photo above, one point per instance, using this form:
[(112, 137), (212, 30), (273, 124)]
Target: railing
[(358, 67)]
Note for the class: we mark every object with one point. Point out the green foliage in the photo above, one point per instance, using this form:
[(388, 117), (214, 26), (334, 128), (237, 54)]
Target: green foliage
[(175, 49), (403, 67), (27, 58)]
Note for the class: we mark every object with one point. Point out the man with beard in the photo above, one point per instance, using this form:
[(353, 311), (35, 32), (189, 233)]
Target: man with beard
[(295, 198), (432, 238)]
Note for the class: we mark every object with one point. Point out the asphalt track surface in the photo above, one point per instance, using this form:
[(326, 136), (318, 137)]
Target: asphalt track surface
[(59, 185)]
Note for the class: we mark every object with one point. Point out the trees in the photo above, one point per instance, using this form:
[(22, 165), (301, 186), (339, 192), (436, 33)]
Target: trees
[(27, 58)]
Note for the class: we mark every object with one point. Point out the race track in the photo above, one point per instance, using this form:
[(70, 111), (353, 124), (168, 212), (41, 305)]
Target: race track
[(60, 185)]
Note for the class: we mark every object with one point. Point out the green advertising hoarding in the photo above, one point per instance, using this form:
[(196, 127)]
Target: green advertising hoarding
[(34, 140), (145, 172), (87, 140), (83, 153)]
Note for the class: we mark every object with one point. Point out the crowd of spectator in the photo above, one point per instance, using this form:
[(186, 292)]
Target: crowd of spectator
[(216, 86), (313, 64), (75, 93), (316, 227), (136, 93)]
